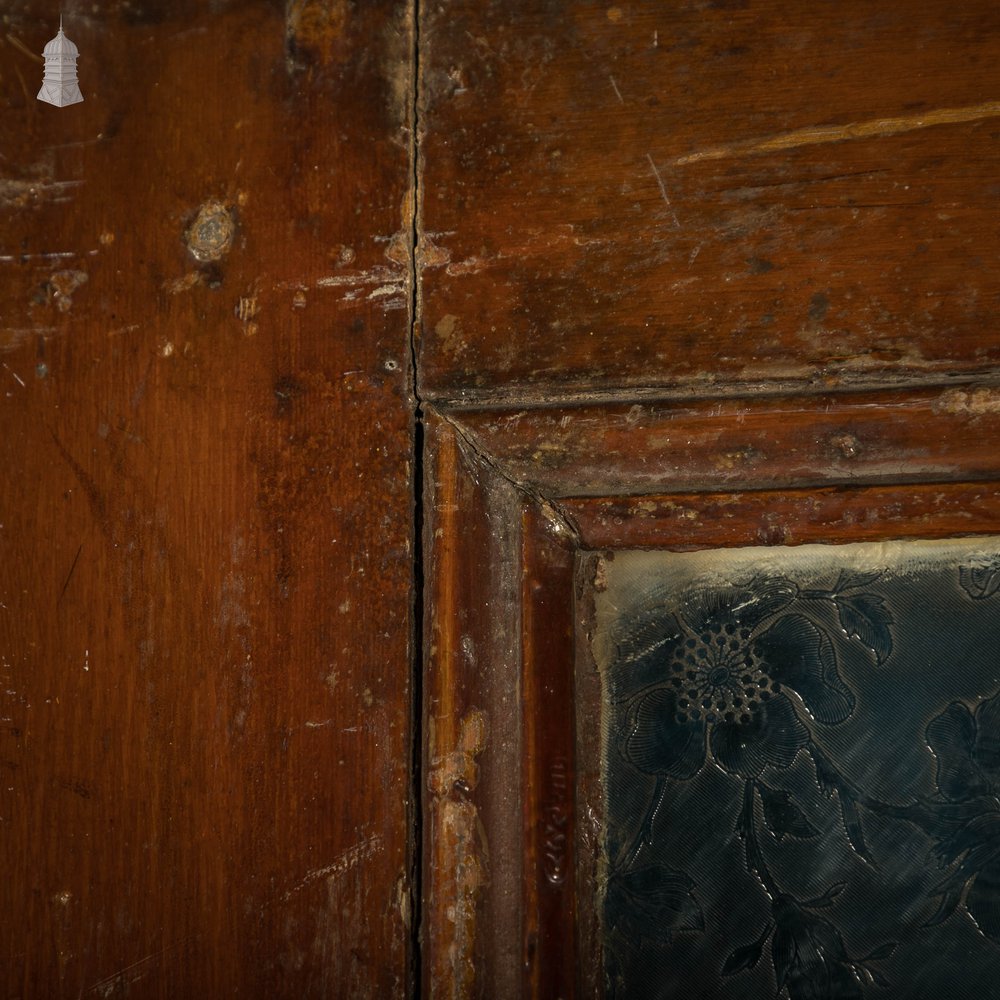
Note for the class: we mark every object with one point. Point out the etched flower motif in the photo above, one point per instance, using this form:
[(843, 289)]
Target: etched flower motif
[(653, 902), (967, 748), (980, 579), (809, 956), (724, 675)]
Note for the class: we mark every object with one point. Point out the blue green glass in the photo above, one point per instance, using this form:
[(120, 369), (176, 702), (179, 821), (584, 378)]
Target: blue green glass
[(801, 772)]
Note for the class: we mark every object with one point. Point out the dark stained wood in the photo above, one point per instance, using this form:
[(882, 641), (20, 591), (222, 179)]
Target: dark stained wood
[(696, 274), (205, 555), (690, 274), (931, 435), (706, 196), (551, 958), (786, 517), (499, 881)]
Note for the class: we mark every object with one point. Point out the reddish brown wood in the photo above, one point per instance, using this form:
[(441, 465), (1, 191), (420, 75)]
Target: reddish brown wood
[(473, 834), (706, 196), (755, 442), (698, 214), (787, 517), (499, 831), (206, 542), (690, 274), (551, 959), (591, 870)]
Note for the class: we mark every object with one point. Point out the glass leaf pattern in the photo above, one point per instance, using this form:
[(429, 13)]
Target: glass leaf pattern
[(801, 772)]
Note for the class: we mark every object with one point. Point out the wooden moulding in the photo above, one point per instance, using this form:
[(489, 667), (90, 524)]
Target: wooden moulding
[(756, 442), (511, 700), (471, 726)]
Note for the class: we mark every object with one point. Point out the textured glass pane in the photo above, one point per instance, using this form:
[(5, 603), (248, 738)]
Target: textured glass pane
[(801, 764)]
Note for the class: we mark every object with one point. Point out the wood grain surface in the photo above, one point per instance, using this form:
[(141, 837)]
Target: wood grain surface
[(474, 864), (831, 515), (206, 516), (704, 273), (700, 197), (754, 442), (499, 834)]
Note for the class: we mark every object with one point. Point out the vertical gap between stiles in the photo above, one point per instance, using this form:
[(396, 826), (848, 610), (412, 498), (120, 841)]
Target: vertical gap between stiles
[(417, 660)]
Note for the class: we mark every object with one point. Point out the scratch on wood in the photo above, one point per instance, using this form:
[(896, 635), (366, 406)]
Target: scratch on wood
[(663, 189), (618, 93), (383, 291), (379, 275), (18, 44), (9, 258), (98, 505), (17, 378), (341, 865), (69, 575), (118, 331), (18, 194), (816, 135), (120, 981), (24, 88)]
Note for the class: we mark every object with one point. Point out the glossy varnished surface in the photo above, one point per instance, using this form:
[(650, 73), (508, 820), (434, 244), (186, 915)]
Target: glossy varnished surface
[(205, 575), (799, 758), (618, 197)]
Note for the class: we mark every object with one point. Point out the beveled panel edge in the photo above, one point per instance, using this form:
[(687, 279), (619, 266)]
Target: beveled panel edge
[(470, 934), (763, 442), (938, 436)]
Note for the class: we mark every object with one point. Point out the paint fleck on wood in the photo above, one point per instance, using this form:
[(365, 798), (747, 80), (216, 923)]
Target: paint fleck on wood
[(452, 778), (211, 234)]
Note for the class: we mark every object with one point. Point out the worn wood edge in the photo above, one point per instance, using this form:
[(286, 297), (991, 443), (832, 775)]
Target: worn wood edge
[(591, 872), (472, 864), (551, 960), (686, 521), (499, 883), (577, 392), (759, 443)]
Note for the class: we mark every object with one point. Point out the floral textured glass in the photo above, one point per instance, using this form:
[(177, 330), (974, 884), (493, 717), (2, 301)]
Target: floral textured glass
[(801, 771)]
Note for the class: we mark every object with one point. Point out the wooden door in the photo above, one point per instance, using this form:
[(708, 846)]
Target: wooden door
[(206, 552), (695, 277), (314, 312)]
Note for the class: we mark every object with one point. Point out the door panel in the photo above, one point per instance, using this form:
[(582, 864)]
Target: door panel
[(205, 579), (544, 694), (684, 277)]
